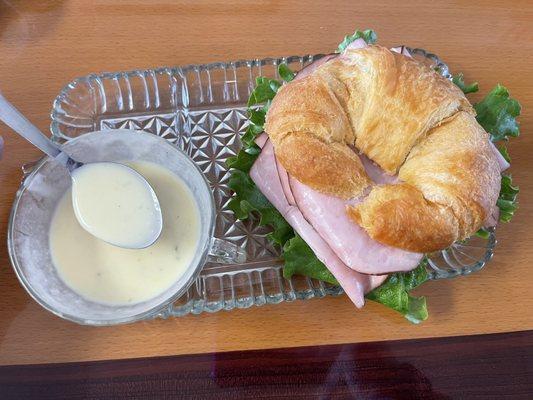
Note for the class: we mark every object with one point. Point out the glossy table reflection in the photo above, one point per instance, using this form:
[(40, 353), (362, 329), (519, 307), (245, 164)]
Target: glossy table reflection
[(459, 367)]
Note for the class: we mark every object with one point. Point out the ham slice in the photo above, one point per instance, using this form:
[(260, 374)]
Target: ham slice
[(264, 173), (493, 218), (375, 173), (261, 139), (502, 162), (308, 69), (494, 215), (282, 173), (349, 241), (285, 185), (327, 216), (357, 44)]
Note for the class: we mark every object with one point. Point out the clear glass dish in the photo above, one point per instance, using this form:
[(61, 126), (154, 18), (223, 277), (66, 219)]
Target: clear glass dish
[(202, 110), (35, 204)]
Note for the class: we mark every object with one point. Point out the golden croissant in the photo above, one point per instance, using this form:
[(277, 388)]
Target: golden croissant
[(409, 121)]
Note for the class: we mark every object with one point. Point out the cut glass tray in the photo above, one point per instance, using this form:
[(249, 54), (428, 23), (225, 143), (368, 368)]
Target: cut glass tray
[(202, 110)]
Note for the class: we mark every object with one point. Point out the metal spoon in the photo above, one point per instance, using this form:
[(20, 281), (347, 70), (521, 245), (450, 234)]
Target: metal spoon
[(14, 119)]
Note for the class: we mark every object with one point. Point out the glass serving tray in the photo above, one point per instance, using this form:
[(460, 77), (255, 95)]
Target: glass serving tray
[(202, 110)]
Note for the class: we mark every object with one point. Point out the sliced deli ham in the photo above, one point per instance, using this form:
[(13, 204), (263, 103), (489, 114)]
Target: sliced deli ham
[(375, 173), (492, 218), (357, 44), (264, 173), (261, 139), (326, 216), (349, 241), (282, 173), (354, 284), (314, 65), (502, 162), (285, 185)]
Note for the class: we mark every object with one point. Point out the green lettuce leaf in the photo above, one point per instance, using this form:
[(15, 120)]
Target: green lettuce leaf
[(483, 233), (394, 293), (257, 117), (505, 153), (507, 201), (497, 113), (300, 260), (249, 199), (248, 139), (244, 159), (458, 80), (285, 73), (265, 89), (368, 36)]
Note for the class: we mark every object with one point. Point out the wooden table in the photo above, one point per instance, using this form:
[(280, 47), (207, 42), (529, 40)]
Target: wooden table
[(44, 45)]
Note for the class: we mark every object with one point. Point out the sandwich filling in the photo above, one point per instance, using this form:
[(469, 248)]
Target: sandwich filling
[(322, 221)]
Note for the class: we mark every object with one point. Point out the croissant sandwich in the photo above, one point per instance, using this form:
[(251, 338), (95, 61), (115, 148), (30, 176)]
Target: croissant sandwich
[(374, 160)]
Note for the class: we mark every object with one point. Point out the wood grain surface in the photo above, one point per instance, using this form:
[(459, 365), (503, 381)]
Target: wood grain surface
[(495, 366), (44, 45)]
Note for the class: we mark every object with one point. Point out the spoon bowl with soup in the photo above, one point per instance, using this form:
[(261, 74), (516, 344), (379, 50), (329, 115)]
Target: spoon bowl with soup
[(111, 201)]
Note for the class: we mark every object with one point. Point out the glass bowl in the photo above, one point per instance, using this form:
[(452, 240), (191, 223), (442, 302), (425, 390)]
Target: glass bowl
[(43, 187)]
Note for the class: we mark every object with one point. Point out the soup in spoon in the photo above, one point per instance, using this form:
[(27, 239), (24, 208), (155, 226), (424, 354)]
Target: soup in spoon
[(116, 204)]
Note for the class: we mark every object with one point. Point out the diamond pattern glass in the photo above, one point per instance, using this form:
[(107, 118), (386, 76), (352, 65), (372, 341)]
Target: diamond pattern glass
[(202, 110)]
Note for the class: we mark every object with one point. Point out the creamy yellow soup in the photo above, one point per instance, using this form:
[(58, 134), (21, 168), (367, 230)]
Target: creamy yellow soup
[(116, 204), (108, 274)]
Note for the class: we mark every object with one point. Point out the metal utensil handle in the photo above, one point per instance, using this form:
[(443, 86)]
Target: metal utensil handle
[(18, 122)]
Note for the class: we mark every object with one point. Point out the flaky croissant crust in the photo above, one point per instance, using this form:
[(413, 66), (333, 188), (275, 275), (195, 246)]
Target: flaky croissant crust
[(407, 119)]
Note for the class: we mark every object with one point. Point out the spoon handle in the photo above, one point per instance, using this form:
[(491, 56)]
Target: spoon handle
[(18, 122)]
